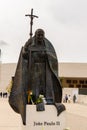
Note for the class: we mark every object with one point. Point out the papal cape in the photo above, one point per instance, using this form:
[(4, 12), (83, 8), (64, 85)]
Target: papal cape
[(17, 98)]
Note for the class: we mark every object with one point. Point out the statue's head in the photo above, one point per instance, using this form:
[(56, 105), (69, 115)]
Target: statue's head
[(39, 35)]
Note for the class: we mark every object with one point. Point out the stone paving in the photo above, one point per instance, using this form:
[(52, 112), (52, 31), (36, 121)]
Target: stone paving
[(9, 120), (76, 116)]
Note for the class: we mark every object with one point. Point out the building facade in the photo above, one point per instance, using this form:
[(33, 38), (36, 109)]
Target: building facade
[(74, 82), (72, 75)]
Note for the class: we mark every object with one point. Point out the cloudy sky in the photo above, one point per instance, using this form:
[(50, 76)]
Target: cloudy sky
[(64, 22)]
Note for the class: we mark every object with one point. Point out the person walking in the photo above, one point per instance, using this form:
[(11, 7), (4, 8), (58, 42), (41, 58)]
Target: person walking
[(74, 98), (66, 98)]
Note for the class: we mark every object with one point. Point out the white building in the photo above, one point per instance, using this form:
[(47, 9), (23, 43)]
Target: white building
[(72, 71)]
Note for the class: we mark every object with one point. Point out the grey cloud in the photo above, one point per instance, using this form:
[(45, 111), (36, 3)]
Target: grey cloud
[(69, 11), (2, 43)]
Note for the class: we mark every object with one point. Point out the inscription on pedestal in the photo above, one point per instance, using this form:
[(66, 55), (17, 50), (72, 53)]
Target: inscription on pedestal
[(45, 120), (45, 123)]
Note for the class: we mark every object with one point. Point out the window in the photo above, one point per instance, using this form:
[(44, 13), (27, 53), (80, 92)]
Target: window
[(81, 81), (84, 86), (75, 81), (71, 86), (78, 86), (68, 81), (85, 81)]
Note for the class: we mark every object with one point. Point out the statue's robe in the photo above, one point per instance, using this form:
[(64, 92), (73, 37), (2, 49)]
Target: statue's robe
[(37, 73)]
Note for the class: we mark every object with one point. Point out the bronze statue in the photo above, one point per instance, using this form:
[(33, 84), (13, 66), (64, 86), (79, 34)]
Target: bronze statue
[(36, 73)]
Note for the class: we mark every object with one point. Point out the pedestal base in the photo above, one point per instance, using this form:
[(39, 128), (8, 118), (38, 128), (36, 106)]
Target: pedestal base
[(44, 120)]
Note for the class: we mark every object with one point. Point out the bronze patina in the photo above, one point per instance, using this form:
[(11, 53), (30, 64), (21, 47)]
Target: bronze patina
[(36, 73)]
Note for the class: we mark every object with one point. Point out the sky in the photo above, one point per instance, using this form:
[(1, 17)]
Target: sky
[(64, 23)]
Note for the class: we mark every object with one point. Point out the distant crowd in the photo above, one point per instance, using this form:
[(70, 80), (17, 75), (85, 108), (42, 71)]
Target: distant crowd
[(67, 99), (3, 94)]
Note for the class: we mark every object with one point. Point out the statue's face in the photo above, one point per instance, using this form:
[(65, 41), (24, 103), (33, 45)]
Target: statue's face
[(39, 35)]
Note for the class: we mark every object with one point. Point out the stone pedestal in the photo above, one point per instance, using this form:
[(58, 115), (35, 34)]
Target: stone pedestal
[(44, 120)]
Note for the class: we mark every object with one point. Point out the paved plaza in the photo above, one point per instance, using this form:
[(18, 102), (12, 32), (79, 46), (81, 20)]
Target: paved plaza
[(76, 116)]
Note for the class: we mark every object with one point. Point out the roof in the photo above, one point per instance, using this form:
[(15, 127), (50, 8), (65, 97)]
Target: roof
[(66, 69), (73, 69)]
